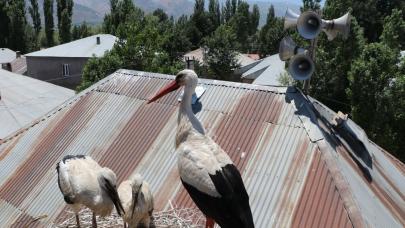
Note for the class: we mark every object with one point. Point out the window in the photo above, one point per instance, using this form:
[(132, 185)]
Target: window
[(65, 70)]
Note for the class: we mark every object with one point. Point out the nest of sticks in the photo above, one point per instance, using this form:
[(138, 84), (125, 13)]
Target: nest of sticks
[(172, 218)]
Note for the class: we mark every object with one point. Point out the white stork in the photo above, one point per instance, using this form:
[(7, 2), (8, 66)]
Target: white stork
[(137, 200), (83, 181), (206, 171)]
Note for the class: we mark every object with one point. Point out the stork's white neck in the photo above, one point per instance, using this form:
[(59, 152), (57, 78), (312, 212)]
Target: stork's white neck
[(186, 119)]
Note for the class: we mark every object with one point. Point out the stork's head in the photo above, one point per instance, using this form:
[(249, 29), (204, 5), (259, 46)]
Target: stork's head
[(109, 176), (187, 78), (136, 180)]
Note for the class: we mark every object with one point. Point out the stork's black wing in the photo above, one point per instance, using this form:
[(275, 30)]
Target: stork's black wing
[(232, 209)]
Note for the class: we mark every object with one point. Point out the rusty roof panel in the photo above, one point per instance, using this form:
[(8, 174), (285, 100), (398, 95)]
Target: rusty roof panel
[(320, 204), (131, 145), (373, 195), (378, 186), (260, 127), (275, 174)]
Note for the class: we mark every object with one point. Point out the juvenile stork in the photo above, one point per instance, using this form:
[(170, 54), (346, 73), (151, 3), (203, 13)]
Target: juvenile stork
[(206, 171), (137, 200), (83, 181)]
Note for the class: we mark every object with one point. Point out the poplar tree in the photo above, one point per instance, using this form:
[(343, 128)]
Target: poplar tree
[(49, 25), (65, 13), (36, 17), (5, 23), (18, 22)]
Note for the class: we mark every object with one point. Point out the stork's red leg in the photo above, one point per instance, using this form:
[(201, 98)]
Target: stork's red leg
[(209, 223)]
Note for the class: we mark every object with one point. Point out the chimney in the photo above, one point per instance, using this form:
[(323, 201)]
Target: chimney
[(17, 54), (190, 63), (98, 40)]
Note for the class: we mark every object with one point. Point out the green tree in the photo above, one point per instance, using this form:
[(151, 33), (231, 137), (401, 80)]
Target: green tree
[(122, 12), (65, 25), (241, 25), (271, 34), (143, 48), (49, 25), (16, 13), (36, 17), (161, 15), (98, 68), (370, 14), (175, 40), (214, 14), (221, 54), (81, 31), (369, 75), (334, 58), (65, 12), (394, 125), (333, 62), (227, 11), (254, 19), (394, 30), (5, 23), (235, 4), (310, 5), (200, 22), (376, 96)]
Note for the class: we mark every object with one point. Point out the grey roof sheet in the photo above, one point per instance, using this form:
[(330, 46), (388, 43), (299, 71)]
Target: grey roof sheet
[(296, 170), (7, 55), (267, 71), (86, 47), (198, 55), (24, 99)]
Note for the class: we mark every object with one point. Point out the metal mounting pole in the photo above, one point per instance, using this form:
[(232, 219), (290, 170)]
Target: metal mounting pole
[(312, 56), (312, 50)]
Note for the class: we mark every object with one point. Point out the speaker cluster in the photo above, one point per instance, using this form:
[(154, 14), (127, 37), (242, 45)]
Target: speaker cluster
[(309, 24)]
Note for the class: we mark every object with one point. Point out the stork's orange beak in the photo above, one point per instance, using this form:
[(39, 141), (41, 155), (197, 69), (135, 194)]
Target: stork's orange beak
[(172, 86)]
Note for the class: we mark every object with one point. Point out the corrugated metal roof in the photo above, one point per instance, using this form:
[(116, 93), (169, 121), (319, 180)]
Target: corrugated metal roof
[(7, 55), (24, 99), (86, 48), (294, 177)]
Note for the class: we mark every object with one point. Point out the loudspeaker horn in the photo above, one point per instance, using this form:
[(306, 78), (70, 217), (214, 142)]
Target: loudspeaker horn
[(337, 26), (309, 25), (288, 48), (290, 19), (301, 67)]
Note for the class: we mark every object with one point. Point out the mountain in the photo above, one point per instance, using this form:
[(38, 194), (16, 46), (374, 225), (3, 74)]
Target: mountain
[(93, 11)]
